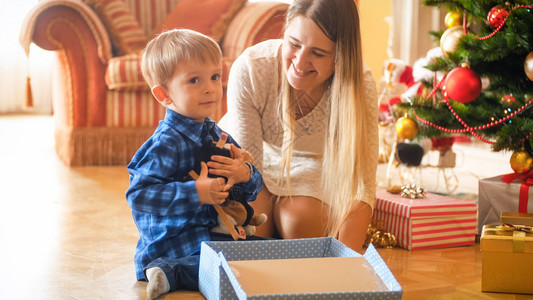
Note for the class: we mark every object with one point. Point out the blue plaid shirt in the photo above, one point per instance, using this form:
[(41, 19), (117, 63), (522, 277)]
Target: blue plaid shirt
[(170, 219)]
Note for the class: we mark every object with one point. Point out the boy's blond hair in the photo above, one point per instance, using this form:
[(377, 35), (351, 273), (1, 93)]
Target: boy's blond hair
[(163, 53)]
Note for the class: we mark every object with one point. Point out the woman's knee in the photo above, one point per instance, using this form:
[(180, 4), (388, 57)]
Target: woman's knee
[(300, 217), (264, 203)]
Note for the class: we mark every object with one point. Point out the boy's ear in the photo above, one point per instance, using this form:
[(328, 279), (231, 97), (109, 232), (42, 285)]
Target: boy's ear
[(160, 94)]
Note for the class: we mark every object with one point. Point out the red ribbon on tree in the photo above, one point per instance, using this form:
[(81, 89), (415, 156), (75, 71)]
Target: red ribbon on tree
[(527, 181)]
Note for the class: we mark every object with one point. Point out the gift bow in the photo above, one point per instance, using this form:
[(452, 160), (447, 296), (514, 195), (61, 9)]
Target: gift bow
[(527, 180), (509, 227), (519, 235)]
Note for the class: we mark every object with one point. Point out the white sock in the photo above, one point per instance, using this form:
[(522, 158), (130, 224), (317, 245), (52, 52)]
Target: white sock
[(157, 283)]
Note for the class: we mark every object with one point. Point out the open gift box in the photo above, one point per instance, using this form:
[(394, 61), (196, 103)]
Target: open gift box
[(293, 269), (424, 223), (507, 263)]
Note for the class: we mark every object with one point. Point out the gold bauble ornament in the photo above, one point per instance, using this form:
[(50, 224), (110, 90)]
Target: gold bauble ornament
[(406, 128), (450, 38), (521, 162), (528, 66), (453, 18)]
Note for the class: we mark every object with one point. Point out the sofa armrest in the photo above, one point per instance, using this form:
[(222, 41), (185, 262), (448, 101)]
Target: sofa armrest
[(81, 42), (44, 8), (254, 23)]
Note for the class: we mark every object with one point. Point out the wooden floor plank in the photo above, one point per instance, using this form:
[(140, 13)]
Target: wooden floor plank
[(67, 233)]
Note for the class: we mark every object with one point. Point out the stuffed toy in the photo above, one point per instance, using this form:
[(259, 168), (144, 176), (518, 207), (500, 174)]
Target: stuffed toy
[(420, 73), (409, 154), (235, 216), (238, 215), (397, 77)]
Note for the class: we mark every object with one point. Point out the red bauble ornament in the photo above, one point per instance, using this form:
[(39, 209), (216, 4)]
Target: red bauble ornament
[(462, 85), (497, 16)]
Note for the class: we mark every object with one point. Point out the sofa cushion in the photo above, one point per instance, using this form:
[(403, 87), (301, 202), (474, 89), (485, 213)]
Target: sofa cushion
[(123, 73), (254, 23), (210, 17), (124, 31)]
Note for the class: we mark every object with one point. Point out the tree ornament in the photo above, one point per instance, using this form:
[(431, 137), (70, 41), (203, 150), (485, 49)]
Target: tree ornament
[(497, 15), (485, 83), (453, 18), (406, 128), (450, 39), (521, 162), (462, 84), (528, 66)]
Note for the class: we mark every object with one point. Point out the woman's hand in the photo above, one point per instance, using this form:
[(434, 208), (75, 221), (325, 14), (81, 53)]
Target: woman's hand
[(234, 169)]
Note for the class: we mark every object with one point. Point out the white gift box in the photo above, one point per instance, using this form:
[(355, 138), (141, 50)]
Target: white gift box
[(497, 196), (317, 268)]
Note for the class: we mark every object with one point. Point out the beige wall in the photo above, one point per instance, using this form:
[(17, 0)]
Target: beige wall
[(375, 33)]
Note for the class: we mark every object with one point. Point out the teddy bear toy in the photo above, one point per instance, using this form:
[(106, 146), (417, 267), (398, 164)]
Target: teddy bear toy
[(235, 216), (240, 216)]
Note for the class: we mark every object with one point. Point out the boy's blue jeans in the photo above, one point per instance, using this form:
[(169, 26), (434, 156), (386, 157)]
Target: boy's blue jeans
[(182, 273)]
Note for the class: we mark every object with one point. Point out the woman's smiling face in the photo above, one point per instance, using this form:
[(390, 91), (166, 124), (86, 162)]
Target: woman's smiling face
[(308, 55)]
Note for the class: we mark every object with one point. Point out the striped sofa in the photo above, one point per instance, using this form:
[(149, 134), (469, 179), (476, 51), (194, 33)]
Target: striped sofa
[(103, 109)]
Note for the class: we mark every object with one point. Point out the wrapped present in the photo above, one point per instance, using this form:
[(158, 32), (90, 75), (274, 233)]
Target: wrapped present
[(507, 263), (516, 218), (507, 193), (431, 222), (316, 268)]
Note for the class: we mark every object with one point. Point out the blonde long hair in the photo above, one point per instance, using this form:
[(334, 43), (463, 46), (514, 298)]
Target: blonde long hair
[(346, 132)]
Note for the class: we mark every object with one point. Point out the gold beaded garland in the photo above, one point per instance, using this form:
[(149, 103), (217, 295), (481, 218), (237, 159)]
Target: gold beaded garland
[(378, 236)]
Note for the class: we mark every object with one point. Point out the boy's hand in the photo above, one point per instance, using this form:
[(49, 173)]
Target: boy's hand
[(234, 169), (210, 190)]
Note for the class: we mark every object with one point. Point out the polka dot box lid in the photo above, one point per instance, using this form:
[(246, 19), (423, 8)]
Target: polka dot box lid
[(217, 281)]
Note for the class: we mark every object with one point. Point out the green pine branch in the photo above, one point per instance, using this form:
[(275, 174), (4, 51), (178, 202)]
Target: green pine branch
[(498, 59)]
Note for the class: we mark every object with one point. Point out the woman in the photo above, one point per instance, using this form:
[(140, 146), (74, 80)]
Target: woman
[(306, 108)]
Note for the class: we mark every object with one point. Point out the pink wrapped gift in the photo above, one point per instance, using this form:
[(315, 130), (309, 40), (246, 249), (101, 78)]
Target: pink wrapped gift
[(431, 222), (507, 193)]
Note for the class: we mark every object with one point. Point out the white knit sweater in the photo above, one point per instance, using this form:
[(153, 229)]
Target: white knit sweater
[(254, 122)]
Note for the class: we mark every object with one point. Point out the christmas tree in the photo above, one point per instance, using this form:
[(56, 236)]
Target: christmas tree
[(486, 85)]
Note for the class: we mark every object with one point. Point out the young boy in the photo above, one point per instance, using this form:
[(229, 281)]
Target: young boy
[(173, 215)]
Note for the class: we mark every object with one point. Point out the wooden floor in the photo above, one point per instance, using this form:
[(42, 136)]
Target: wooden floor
[(67, 233)]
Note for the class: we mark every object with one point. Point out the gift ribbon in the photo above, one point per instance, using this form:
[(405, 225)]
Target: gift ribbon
[(527, 181), (519, 235), (519, 241)]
